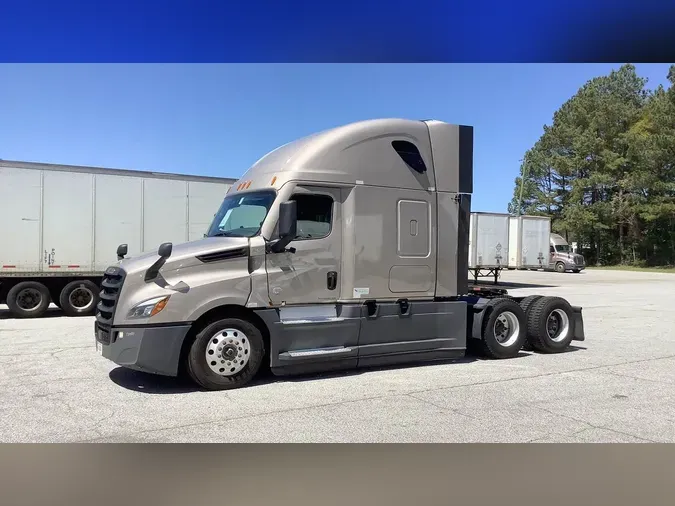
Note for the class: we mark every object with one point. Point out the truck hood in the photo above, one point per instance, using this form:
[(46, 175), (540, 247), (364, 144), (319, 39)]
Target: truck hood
[(183, 254)]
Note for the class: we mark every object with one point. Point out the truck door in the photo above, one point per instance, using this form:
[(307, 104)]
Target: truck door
[(312, 273), (551, 255)]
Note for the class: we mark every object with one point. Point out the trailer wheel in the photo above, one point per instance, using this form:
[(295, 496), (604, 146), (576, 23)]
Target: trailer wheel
[(560, 267), (79, 298), (504, 330), (28, 299), (227, 354), (550, 325), (526, 304)]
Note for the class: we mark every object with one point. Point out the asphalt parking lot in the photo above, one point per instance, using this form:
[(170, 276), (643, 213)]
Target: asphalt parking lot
[(617, 386)]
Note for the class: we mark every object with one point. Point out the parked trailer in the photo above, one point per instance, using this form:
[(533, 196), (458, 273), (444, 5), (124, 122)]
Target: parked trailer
[(529, 242), (60, 226), (349, 249), (488, 244)]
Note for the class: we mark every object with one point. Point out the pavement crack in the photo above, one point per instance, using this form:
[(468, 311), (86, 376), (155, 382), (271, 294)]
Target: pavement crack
[(244, 417), (620, 375), (443, 408), (591, 425), (540, 375)]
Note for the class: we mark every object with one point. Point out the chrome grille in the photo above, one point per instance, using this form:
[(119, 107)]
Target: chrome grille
[(111, 286)]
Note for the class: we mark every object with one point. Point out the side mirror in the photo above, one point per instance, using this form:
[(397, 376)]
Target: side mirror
[(164, 252), (165, 249), (288, 225), (288, 219), (122, 250)]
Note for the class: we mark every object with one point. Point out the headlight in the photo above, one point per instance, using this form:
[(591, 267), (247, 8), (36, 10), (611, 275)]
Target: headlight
[(149, 307)]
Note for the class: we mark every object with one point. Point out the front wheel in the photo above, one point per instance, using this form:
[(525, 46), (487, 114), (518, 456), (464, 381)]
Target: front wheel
[(560, 267), (226, 354)]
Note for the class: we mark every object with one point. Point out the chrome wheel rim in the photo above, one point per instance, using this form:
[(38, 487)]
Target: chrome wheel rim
[(506, 329), (29, 299), (81, 298), (557, 325), (228, 352)]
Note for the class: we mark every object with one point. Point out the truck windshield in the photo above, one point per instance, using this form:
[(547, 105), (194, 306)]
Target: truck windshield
[(563, 248), (241, 215)]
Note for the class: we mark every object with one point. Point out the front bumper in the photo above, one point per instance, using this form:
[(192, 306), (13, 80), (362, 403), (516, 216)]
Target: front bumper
[(571, 265), (151, 349)]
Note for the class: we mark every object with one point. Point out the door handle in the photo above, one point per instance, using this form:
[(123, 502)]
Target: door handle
[(331, 280)]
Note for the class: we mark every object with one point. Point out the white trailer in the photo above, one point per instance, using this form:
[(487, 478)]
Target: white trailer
[(488, 244), (529, 242), (60, 227)]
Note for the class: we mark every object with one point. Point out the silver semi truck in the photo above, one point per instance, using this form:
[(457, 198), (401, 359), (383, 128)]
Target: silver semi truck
[(60, 226), (561, 256), (344, 249)]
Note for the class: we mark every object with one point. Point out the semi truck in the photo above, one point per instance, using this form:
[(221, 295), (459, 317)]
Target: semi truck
[(347, 248), (60, 226), (561, 256)]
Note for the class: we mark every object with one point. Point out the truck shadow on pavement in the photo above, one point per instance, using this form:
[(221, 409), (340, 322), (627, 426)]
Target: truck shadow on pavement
[(151, 383), (508, 285), (6, 314), (157, 385)]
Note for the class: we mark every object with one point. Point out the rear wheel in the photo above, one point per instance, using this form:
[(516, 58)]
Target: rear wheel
[(79, 298), (526, 304), (28, 299), (550, 325), (503, 332), (226, 354)]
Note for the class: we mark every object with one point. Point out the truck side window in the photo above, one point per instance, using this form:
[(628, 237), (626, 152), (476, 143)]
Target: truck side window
[(552, 249), (410, 155), (315, 214)]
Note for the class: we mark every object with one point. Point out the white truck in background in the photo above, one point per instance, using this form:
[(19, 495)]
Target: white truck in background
[(529, 238), (488, 244), (61, 225)]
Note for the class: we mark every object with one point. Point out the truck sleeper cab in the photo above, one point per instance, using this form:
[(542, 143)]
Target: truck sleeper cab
[(347, 248)]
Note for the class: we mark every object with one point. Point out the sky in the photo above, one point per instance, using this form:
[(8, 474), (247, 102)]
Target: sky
[(217, 120)]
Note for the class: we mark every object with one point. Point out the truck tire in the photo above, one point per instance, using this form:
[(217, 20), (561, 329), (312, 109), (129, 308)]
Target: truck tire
[(550, 325), (79, 298), (28, 299), (526, 304), (504, 330), (560, 267), (226, 354)]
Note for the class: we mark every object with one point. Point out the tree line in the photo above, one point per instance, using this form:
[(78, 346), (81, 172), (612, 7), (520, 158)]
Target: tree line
[(604, 171)]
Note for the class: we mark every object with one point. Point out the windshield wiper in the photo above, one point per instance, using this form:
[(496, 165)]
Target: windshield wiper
[(225, 233)]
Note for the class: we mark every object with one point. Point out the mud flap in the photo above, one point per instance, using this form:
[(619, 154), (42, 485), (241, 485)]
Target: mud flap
[(578, 322)]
